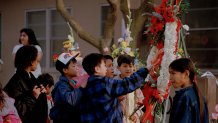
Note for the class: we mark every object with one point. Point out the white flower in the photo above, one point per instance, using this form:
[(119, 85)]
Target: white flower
[(106, 49), (70, 37), (127, 50), (169, 47), (186, 27), (129, 39), (120, 40), (151, 56)]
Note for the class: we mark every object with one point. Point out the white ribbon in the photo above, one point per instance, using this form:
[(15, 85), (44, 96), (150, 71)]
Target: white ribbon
[(208, 74)]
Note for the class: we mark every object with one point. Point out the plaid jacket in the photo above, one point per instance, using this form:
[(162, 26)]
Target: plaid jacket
[(100, 103)]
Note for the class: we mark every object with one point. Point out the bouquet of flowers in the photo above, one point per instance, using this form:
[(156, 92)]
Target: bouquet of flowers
[(164, 31)]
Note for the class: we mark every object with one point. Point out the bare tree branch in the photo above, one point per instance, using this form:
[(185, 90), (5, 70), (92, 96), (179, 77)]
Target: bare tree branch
[(139, 20), (110, 23), (125, 10), (76, 26)]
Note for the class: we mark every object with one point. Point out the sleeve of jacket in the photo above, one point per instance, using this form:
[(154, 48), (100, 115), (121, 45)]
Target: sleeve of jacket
[(69, 95), (128, 84), (24, 99)]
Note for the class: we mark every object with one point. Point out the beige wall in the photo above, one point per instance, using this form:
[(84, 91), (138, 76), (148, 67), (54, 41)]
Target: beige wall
[(86, 12)]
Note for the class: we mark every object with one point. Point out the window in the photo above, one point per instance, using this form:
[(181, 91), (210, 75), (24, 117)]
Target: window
[(202, 43), (51, 30)]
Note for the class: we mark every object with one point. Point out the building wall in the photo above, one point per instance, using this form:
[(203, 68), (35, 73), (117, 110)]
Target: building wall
[(86, 12)]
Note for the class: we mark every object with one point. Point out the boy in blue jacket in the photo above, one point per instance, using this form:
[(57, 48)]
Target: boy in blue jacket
[(99, 103), (65, 94)]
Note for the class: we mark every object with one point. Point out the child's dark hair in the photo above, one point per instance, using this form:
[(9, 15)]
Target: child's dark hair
[(91, 61), (125, 59), (60, 66), (25, 56), (108, 57), (46, 79), (183, 64)]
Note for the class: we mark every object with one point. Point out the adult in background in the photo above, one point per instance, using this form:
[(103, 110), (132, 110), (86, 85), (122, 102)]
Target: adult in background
[(30, 97), (27, 37)]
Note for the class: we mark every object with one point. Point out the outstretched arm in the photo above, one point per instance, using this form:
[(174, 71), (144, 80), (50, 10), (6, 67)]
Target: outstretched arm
[(128, 84)]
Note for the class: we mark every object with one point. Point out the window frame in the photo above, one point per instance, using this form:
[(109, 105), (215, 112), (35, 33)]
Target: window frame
[(48, 25), (199, 29)]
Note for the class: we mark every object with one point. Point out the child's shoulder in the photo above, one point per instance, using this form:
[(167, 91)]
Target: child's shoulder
[(117, 77)]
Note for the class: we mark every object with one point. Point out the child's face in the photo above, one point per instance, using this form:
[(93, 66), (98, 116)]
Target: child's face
[(72, 70), (48, 89), (126, 69), (177, 78), (101, 69), (35, 63), (110, 69)]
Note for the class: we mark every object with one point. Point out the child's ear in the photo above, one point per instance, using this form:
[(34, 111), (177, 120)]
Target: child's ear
[(187, 73), (97, 69), (65, 70)]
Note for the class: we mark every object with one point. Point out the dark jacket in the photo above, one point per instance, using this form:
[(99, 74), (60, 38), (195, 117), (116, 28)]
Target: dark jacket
[(66, 99), (186, 107), (30, 109)]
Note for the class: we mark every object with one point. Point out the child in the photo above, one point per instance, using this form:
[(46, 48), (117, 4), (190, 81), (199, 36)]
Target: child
[(131, 101), (47, 81), (188, 103), (8, 112), (109, 64), (65, 94), (99, 102)]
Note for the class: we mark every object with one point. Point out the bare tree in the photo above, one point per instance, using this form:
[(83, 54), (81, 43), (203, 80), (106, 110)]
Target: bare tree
[(137, 25)]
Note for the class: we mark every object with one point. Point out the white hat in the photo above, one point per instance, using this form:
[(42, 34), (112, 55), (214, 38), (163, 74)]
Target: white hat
[(66, 57)]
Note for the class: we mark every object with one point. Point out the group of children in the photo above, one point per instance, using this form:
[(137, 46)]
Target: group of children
[(105, 98), (99, 100), (117, 99)]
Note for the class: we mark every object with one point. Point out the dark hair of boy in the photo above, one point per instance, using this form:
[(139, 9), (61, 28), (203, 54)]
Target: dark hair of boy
[(46, 79), (21, 60), (125, 59), (91, 61), (108, 57), (60, 66)]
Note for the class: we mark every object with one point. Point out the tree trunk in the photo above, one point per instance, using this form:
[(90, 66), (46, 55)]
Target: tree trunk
[(107, 38)]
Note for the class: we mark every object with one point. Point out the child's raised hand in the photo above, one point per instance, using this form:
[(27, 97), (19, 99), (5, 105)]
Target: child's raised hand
[(121, 98), (134, 118)]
